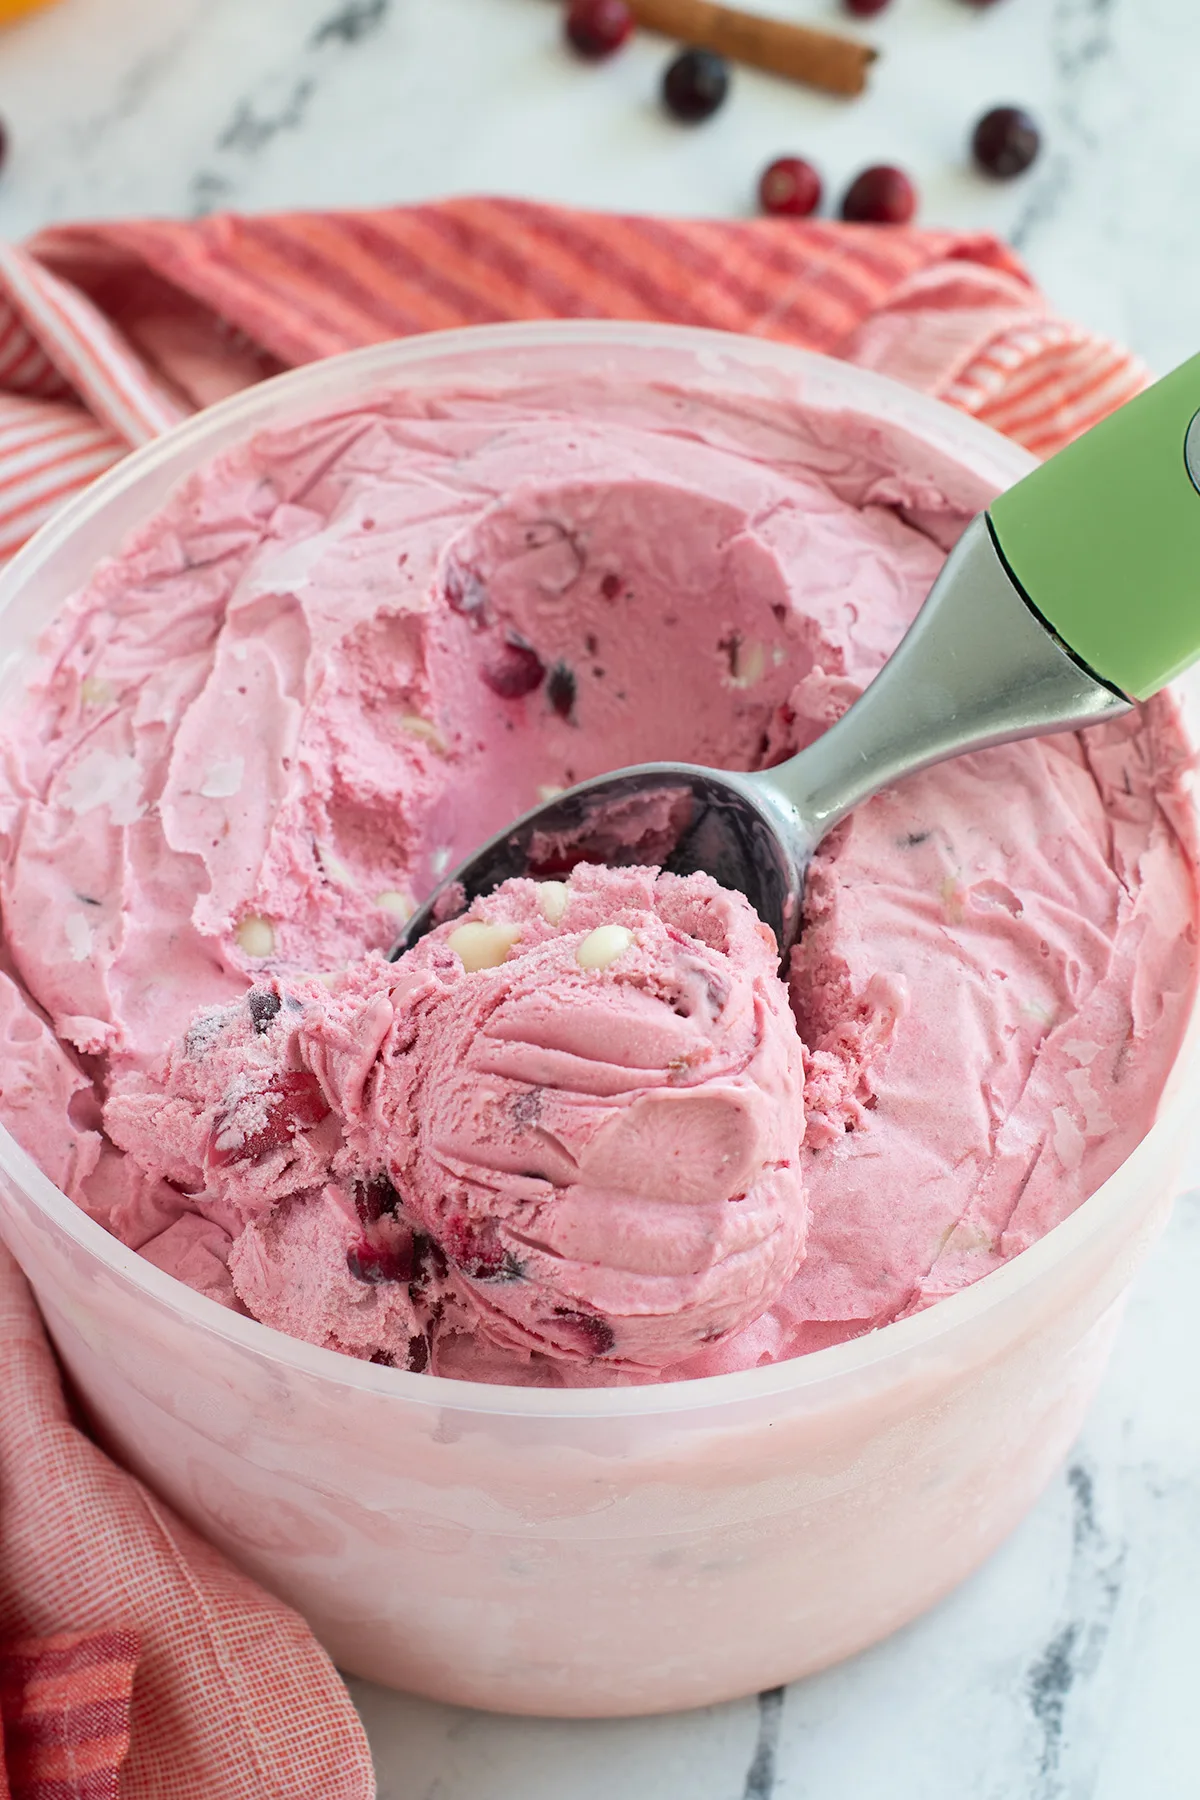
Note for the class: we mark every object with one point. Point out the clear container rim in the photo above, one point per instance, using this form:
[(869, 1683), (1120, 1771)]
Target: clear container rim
[(850, 388)]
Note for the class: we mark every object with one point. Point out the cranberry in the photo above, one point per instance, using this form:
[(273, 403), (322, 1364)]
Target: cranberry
[(429, 1261), (866, 9), (418, 1355), (377, 1263), (516, 671), (1006, 142), (790, 186), (598, 27), (695, 84), (372, 1199), (880, 196), (264, 1009), (610, 587), (294, 1102), (478, 1252), (595, 1335), (560, 690)]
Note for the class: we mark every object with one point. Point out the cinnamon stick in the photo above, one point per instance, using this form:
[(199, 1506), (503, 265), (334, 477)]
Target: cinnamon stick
[(823, 59)]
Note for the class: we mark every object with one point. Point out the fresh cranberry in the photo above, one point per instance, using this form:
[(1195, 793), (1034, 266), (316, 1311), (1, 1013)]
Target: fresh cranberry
[(695, 85), (418, 1355), (595, 1335), (866, 9), (791, 187), (598, 27), (516, 671), (880, 196), (1006, 142), (294, 1103), (610, 587), (560, 690)]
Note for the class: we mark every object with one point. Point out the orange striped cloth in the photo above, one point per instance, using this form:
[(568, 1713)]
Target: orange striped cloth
[(64, 1704), (108, 335), (135, 1662)]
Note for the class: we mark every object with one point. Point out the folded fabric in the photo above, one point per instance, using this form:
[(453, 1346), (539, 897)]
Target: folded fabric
[(109, 334)]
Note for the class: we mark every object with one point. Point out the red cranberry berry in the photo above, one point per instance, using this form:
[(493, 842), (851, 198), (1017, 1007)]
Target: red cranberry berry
[(695, 84), (560, 690), (293, 1102), (791, 187), (1006, 142), (866, 9), (516, 671), (593, 1335), (598, 27), (880, 196), (377, 1263)]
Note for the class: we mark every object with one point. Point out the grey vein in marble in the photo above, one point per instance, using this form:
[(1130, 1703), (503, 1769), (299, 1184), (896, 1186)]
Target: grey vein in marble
[(760, 1778), (356, 20)]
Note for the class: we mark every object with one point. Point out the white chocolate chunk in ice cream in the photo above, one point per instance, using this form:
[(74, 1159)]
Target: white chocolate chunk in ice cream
[(603, 946), (256, 935), (481, 946), (553, 897)]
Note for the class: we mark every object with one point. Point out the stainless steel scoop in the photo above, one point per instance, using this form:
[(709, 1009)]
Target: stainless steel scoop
[(1104, 541)]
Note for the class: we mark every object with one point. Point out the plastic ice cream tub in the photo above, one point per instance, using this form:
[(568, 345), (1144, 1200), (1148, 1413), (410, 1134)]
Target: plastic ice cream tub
[(596, 1551)]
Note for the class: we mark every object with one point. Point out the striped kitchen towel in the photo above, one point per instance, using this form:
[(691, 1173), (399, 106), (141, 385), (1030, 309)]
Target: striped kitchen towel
[(64, 1708), (110, 333), (135, 1662), (125, 1643)]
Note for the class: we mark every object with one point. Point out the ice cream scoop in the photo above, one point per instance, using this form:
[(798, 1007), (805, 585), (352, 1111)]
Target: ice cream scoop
[(1075, 596)]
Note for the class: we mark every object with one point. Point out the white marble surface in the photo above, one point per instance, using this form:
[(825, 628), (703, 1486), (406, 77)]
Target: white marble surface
[(1065, 1670)]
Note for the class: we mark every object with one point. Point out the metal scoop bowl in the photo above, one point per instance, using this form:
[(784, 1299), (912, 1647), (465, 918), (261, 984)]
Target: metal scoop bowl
[(1075, 595), (978, 667)]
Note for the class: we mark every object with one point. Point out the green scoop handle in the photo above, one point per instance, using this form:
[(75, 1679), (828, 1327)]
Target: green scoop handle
[(1104, 539)]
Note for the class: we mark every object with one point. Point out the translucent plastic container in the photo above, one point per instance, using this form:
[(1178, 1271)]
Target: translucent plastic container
[(598, 1552)]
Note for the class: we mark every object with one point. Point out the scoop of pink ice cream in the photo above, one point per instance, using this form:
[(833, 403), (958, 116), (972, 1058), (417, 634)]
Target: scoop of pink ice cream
[(601, 1125), (568, 1123)]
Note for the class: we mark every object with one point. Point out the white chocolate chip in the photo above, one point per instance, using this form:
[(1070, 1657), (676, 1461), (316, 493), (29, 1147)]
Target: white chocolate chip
[(224, 779), (553, 896), (603, 946), (334, 867), (418, 727), (95, 691), (256, 935), (549, 793), (747, 664), (401, 906), (481, 946)]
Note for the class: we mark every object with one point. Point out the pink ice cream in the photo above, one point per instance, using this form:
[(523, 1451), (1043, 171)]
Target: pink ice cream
[(352, 649), (585, 1146)]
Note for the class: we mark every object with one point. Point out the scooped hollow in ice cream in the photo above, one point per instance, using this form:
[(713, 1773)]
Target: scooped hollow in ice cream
[(601, 1125)]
